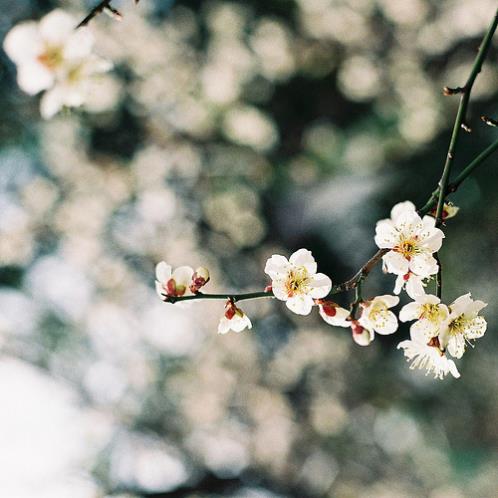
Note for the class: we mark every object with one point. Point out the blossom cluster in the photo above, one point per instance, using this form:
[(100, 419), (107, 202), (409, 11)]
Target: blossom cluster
[(52, 56), (411, 241)]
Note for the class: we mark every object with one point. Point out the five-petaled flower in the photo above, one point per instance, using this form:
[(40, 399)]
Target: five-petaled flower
[(51, 55), (412, 241), (424, 353), (463, 325), (376, 316), (429, 313), (233, 319), (171, 283), (296, 281)]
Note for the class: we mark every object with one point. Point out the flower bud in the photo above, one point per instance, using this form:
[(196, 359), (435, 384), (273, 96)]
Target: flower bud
[(329, 308), (199, 279), (361, 335), (173, 289)]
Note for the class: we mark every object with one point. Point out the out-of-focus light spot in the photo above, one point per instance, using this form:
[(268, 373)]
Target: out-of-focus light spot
[(56, 282), (172, 329), (145, 462), (44, 437), (359, 78), (248, 126), (395, 432)]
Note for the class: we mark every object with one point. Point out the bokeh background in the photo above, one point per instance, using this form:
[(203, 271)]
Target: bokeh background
[(229, 131)]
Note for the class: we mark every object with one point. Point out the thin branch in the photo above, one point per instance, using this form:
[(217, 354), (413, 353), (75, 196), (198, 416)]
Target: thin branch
[(461, 115), (103, 6), (460, 123), (98, 9)]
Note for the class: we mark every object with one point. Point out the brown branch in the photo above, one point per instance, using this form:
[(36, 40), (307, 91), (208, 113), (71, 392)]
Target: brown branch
[(104, 5)]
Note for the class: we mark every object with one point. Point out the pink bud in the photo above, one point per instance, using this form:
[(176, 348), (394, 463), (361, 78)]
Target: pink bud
[(199, 279)]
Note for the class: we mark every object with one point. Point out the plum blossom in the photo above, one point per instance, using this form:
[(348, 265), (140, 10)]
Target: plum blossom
[(51, 55), (233, 319), (333, 314), (199, 279), (427, 354), (429, 313), (463, 325), (449, 210), (376, 317), (411, 283), (412, 241), (361, 335), (296, 280), (173, 283)]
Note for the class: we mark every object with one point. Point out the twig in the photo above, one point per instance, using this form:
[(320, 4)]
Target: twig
[(104, 5), (460, 123)]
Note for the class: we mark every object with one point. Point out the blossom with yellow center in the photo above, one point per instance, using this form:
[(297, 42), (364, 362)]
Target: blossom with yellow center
[(463, 325), (429, 313), (52, 55), (296, 280), (412, 240), (376, 316)]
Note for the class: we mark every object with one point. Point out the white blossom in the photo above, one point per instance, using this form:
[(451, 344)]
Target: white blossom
[(413, 285), (233, 319), (173, 283), (412, 241), (361, 335), (296, 280), (333, 314), (463, 325), (429, 313), (52, 55), (376, 317), (427, 354)]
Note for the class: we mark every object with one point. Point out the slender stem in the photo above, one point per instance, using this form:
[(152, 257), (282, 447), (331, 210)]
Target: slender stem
[(234, 297), (94, 12), (459, 123), (461, 115), (453, 186)]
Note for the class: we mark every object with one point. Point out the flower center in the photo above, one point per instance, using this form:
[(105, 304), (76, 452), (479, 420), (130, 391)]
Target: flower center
[(379, 312), (457, 326), (407, 248), (51, 58), (297, 280), (431, 312)]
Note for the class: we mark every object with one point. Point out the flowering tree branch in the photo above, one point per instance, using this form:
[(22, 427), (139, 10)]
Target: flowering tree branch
[(460, 122)]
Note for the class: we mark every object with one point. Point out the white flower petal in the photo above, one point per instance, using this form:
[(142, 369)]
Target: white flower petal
[(475, 328), (277, 266), (386, 235), (414, 286), (403, 208), (224, 325), (410, 311), (456, 345), (389, 300), (33, 77), (57, 26), (395, 263), (320, 285), (386, 325), (340, 319), (23, 42), (303, 257), (300, 304), (183, 275), (163, 272), (363, 338), (79, 45), (423, 264), (51, 103)]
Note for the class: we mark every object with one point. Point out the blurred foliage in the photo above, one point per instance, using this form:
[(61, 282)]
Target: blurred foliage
[(229, 131)]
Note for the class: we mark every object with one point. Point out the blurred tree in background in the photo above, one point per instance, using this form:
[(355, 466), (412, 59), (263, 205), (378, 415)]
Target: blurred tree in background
[(227, 131)]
